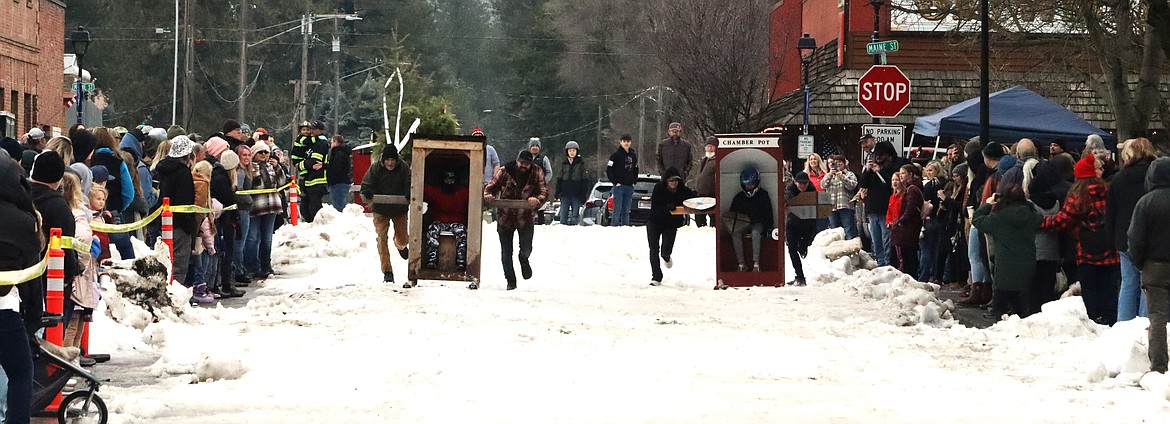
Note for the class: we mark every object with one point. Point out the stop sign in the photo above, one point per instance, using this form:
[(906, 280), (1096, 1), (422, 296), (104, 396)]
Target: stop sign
[(884, 91)]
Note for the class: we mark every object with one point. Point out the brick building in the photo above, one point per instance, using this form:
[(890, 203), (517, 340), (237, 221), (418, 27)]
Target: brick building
[(32, 44), (942, 65)]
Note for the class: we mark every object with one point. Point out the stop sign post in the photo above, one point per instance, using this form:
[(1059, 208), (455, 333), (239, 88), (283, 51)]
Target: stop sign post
[(884, 91)]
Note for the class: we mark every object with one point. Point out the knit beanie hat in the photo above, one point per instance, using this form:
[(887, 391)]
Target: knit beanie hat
[(260, 147), (390, 152), (181, 146), (1086, 167), (13, 148), (215, 146), (48, 167), (534, 142), (230, 125), (84, 143), (230, 160), (175, 131)]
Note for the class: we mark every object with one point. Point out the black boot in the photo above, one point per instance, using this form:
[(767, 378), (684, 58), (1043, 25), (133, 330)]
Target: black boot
[(525, 269), (230, 291), (511, 285), (388, 276), (404, 252)]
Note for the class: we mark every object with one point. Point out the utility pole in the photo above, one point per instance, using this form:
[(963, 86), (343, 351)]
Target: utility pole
[(336, 73), (641, 120), (877, 7), (175, 76), (243, 18), (597, 145), (187, 64), (660, 112)]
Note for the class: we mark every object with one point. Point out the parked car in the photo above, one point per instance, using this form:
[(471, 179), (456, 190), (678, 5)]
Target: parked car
[(640, 209), (595, 211), (547, 214)]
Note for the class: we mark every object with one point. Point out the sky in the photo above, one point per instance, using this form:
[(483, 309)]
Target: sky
[(587, 340)]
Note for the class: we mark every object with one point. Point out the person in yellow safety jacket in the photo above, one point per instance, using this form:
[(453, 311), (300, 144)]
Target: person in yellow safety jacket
[(314, 184), (302, 143)]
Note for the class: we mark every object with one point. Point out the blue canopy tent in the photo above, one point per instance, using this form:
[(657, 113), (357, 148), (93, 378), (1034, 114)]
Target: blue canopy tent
[(1015, 113)]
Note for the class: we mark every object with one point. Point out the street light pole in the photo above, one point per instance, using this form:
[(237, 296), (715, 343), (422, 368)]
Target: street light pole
[(806, 45), (80, 40), (984, 77), (175, 77)]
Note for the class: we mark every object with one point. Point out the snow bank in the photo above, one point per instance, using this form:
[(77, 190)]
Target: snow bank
[(832, 260)]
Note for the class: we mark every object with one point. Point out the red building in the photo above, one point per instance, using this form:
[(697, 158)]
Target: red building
[(943, 67), (32, 40)]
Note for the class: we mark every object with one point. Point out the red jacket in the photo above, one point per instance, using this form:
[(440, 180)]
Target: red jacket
[(444, 206)]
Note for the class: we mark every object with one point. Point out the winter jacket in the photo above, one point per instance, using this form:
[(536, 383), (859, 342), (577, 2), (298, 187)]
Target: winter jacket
[(121, 188), (491, 161), (841, 188), (340, 165), (757, 205), (930, 190), (622, 167), (55, 213), (905, 230), (510, 183), (379, 180), (317, 153), (448, 205), (1149, 230), (571, 179), (790, 191), (267, 177), (132, 144), (705, 182), (243, 182), (300, 148), (82, 288), (878, 189), (1014, 229), (1093, 239), (674, 153), (175, 182), (20, 239), (815, 178), (663, 201), (1127, 187), (222, 186)]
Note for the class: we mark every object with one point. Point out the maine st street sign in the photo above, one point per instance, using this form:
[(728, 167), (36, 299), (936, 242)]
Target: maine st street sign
[(882, 47), (884, 91)]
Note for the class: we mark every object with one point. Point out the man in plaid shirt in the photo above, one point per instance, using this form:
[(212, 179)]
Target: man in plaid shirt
[(841, 184)]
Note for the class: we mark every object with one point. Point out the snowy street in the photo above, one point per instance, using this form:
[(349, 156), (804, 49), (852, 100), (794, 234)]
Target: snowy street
[(587, 340)]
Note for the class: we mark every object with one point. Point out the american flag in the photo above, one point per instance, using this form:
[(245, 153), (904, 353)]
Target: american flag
[(829, 148)]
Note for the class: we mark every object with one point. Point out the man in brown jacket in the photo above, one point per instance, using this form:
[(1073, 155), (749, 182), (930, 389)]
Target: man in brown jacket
[(389, 177), (705, 183), (518, 180)]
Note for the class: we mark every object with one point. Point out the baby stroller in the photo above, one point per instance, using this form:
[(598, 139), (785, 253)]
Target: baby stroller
[(52, 373)]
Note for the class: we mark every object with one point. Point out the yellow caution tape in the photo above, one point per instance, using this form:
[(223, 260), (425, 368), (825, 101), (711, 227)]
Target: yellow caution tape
[(199, 209), (265, 190), (125, 228), (12, 278)]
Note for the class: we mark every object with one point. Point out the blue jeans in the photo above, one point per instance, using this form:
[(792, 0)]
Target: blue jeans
[(844, 218), (17, 364), (927, 254), (121, 241), (258, 247), (339, 195), (1131, 302), (979, 272), (238, 245), (623, 199), (570, 213), (881, 238)]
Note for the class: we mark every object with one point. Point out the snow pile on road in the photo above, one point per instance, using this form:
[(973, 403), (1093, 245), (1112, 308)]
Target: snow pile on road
[(137, 292), (832, 260)]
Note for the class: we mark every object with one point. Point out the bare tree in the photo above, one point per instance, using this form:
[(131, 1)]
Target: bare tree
[(717, 57), (1110, 45)]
